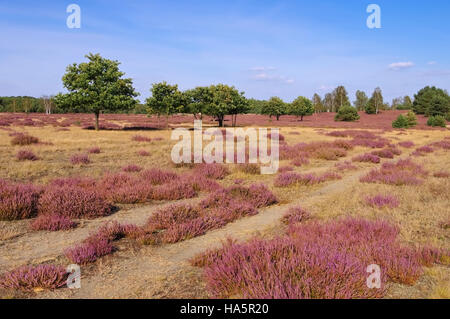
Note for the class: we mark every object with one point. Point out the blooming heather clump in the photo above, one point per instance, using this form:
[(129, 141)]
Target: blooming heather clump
[(330, 154), (381, 201), (24, 139), (140, 138), (131, 168), (26, 155), (73, 202), (283, 169), (300, 161), (444, 144), (143, 153), (420, 151), (403, 172), (346, 165), (295, 215), (406, 144), (291, 178), (89, 251), (94, 150), (53, 222), (18, 201), (156, 176), (28, 278), (174, 191), (369, 158), (314, 260), (125, 188), (214, 170), (79, 159)]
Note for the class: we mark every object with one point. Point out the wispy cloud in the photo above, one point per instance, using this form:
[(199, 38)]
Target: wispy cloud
[(266, 74), (400, 66), (432, 63)]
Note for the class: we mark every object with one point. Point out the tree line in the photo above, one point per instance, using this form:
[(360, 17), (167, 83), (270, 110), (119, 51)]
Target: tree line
[(98, 86)]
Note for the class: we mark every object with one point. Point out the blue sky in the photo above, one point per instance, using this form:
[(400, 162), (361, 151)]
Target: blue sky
[(265, 48)]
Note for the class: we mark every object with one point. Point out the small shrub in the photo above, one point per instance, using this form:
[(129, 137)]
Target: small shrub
[(300, 161), (291, 178), (442, 174), (384, 153), (94, 150), (28, 278), (52, 222), (295, 215), (131, 168), (249, 168), (406, 144), (79, 159), (400, 122), (156, 176), (381, 201), (411, 118), (214, 170), (24, 139), (143, 153), (346, 165), (89, 251), (347, 113), (140, 138), (18, 201), (73, 202), (26, 155), (436, 121), (369, 158), (403, 172)]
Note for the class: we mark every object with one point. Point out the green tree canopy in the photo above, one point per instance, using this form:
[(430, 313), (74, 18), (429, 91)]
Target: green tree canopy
[(340, 98), (375, 103), (319, 107), (361, 100), (96, 86), (226, 100), (166, 99), (196, 100), (274, 107), (423, 98), (301, 106)]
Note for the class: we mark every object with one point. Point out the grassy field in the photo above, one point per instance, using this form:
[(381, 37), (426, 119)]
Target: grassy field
[(156, 258)]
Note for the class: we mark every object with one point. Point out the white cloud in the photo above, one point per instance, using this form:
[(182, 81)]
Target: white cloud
[(262, 68), (400, 65), (432, 63), (262, 73)]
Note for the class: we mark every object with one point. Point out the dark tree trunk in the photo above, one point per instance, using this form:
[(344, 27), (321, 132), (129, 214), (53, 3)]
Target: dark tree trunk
[(97, 115), (220, 120), (278, 117), (301, 118)]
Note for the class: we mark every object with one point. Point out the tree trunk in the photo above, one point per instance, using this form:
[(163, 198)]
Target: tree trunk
[(278, 117), (220, 120), (301, 118), (97, 115)]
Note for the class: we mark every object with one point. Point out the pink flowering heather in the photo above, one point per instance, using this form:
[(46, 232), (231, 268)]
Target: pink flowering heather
[(421, 151), (402, 172), (295, 215), (73, 202), (131, 168), (156, 176), (368, 158), (140, 138), (27, 278), (26, 155), (300, 161), (18, 201), (406, 144), (53, 222), (79, 159), (215, 171), (143, 153), (314, 260), (346, 165), (125, 188), (89, 251), (94, 150), (444, 144), (381, 201), (174, 191), (284, 169)]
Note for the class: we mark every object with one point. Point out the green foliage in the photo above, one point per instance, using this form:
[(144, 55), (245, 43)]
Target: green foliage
[(274, 107), (447, 117), (347, 114), (96, 86), (340, 98), (256, 106), (301, 106), (319, 106), (361, 101), (196, 100), (400, 122), (411, 118), (375, 103), (166, 99), (436, 121), (430, 100), (226, 100)]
